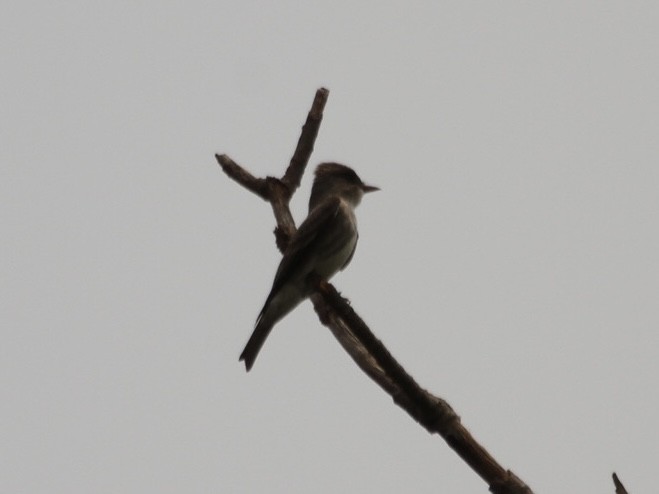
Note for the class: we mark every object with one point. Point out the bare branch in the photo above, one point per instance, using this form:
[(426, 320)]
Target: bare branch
[(432, 412)]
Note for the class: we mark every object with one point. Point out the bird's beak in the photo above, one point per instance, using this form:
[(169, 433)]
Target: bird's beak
[(369, 188)]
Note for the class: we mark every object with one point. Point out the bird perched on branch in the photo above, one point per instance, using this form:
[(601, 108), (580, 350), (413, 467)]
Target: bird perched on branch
[(323, 245)]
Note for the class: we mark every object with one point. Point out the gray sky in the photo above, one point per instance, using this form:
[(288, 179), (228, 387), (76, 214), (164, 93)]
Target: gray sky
[(511, 261)]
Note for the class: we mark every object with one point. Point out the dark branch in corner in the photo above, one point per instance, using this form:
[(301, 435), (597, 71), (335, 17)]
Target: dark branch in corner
[(620, 489), (353, 334)]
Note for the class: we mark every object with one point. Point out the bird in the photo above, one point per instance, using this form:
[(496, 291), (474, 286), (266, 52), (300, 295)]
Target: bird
[(324, 243)]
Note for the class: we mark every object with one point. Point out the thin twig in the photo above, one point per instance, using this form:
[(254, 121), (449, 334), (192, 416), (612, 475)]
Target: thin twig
[(243, 177), (305, 144)]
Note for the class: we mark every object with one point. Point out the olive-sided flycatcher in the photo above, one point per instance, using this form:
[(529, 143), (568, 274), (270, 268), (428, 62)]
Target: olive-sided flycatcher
[(324, 244)]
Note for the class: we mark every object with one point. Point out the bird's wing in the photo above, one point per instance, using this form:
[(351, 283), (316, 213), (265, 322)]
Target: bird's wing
[(301, 249)]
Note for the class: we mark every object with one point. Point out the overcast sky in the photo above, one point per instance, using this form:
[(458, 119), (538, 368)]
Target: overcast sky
[(510, 262)]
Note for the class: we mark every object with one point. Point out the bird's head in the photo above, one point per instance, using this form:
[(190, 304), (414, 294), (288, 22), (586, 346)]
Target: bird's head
[(334, 179)]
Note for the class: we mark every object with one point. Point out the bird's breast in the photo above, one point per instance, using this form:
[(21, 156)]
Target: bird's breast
[(337, 243)]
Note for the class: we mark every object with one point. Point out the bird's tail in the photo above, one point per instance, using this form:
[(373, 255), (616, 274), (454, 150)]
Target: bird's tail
[(277, 305), (253, 347)]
